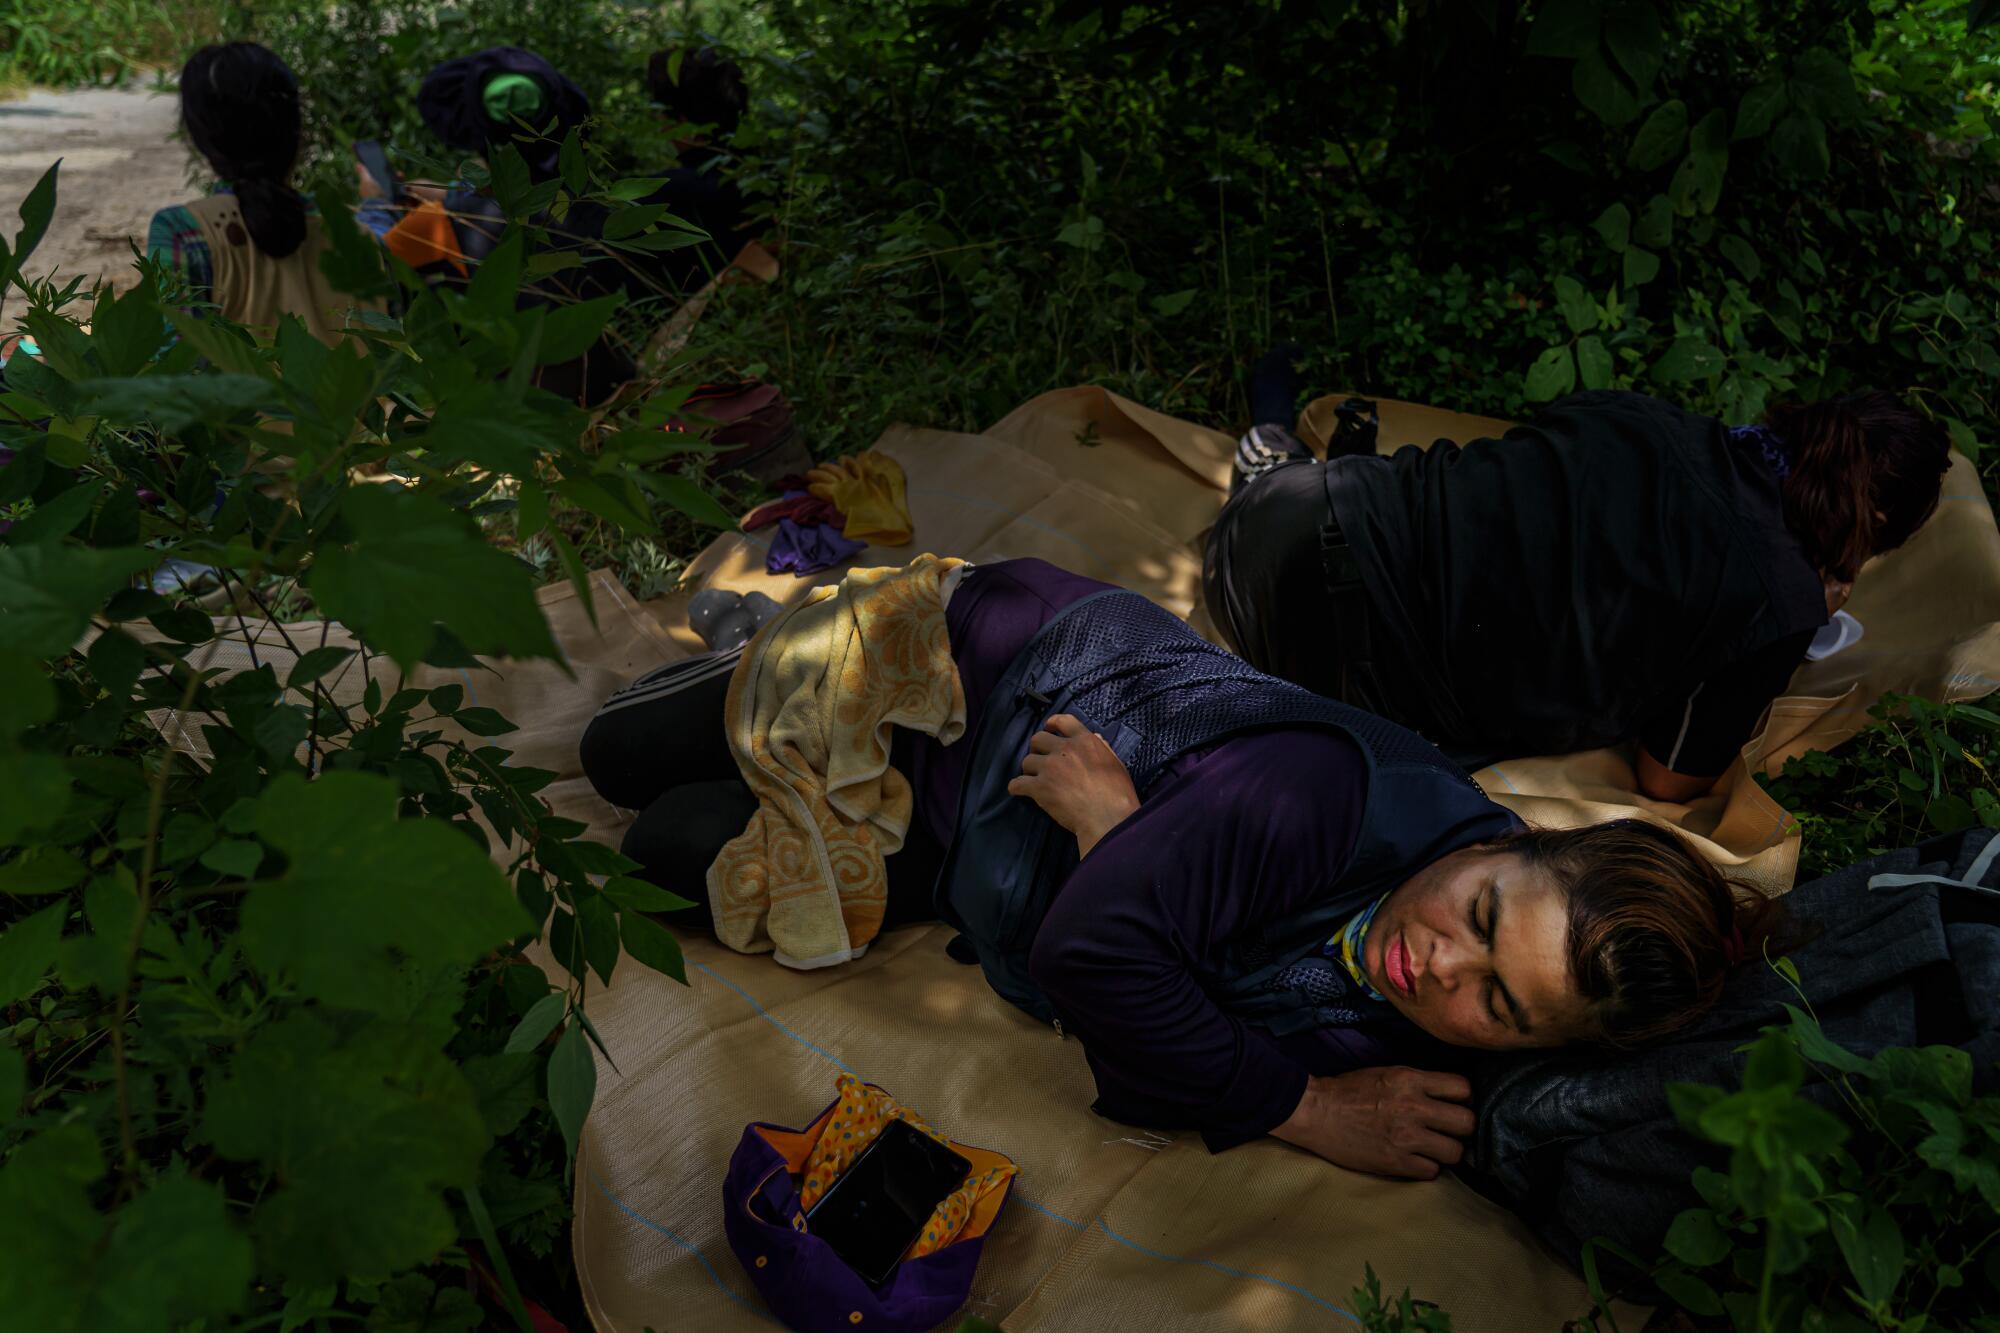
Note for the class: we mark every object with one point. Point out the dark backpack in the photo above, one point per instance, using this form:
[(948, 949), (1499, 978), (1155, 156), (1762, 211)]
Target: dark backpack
[(1901, 950)]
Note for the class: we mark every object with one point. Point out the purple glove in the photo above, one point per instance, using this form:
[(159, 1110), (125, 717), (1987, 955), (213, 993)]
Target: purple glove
[(808, 548)]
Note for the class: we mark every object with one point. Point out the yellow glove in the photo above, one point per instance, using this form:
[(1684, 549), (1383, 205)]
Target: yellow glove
[(868, 488)]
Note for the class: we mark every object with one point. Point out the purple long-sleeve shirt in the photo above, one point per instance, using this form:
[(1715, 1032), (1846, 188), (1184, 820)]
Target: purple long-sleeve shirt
[(1228, 838)]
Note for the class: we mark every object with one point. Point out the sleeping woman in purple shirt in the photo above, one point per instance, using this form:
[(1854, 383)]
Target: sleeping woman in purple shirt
[(1283, 929)]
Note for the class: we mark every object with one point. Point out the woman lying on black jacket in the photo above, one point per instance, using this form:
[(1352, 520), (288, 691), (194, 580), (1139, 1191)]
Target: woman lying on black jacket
[(1275, 914)]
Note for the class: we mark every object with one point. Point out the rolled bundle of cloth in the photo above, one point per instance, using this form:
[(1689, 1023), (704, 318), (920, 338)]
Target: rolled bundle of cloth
[(809, 536), (809, 716)]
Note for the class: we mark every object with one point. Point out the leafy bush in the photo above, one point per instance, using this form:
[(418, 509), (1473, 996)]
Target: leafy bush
[(1884, 1217), (360, 62), (1474, 205), (62, 42), (1921, 770), (1403, 1314), (294, 1060)]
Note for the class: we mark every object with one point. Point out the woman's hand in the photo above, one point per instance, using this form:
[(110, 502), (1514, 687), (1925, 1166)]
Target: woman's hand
[(1837, 594), (1077, 780), (1387, 1122)]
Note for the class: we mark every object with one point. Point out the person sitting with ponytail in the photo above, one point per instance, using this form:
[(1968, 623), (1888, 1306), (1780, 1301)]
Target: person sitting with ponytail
[(1616, 570), (252, 249)]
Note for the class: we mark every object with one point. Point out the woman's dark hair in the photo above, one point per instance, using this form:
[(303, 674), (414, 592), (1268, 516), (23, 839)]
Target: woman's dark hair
[(710, 90), (240, 107), (1654, 926), (1865, 474)]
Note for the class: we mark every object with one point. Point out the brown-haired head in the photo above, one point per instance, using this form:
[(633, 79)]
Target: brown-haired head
[(1654, 927), (1866, 470)]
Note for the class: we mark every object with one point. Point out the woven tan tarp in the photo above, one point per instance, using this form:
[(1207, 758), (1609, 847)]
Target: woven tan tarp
[(1112, 1227)]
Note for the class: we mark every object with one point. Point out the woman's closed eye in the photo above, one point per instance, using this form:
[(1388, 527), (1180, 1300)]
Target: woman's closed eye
[(1482, 930)]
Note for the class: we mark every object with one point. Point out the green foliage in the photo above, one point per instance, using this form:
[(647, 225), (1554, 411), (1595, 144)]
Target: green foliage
[(984, 201), (62, 42), (360, 61), (1922, 769), (1881, 1217), (1402, 1314), (274, 1050)]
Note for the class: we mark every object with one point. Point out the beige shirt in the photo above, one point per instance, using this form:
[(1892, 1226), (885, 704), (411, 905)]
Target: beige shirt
[(253, 289)]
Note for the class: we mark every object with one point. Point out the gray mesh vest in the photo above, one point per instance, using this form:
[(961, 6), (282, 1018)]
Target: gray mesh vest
[(1156, 690)]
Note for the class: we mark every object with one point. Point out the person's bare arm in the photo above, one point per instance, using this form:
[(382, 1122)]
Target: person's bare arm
[(1661, 783), (1387, 1122)]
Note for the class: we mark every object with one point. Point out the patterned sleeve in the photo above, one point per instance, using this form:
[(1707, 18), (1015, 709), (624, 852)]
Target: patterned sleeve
[(175, 238)]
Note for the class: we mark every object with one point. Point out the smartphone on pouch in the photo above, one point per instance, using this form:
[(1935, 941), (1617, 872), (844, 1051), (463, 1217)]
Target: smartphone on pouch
[(878, 1207)]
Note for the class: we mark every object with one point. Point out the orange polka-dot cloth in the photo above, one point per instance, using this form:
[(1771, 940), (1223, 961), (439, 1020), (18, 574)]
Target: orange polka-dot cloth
[(858, 1116)]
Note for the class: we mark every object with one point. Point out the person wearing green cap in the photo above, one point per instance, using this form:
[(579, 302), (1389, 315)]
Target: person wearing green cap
[(513, 97)]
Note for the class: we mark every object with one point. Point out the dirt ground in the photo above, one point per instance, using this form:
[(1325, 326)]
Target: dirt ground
[(120, 164)]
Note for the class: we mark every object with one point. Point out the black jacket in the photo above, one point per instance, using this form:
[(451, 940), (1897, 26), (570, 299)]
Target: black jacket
[(1552, 590), (1892, 954)]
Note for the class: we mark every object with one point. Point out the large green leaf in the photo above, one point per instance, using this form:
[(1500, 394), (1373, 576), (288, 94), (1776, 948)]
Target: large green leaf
[(28, 950), (572, 1083), (37, 791), (1697, 183), (410, 565), (1655, 227), (26, 696), (537, 1023), (1641, 266), (174, 1257), (649, 943), (1690, 358), (496, 283), (1760, 109), (1660, 138), (569, 331), (1614, 224), (126, 331), (487, 425), (689, 498), (1823, 84), (1593, 362), (1604, 89), (1873, 1248), (176, 402), (1578, 310), (364, 1133), (36, 211), (1565, 28), (367, 892), (48, 593), (1552, 375), (1632, 31), (1739, 252), (49, 1230), (1799, 143), (1696, 1240), (56, 518)]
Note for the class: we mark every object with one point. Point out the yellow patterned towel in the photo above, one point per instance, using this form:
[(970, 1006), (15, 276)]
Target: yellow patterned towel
[(810, 709), (858, 1118)]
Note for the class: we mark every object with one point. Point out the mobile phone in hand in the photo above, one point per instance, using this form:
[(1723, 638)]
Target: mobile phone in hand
[(879, 1205)]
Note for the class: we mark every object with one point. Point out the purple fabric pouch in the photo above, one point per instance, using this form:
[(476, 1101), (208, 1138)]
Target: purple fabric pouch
[(805, 1283)]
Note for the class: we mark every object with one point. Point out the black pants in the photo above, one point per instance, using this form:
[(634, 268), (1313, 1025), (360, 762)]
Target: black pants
[(1264, 582), (658, 746)]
